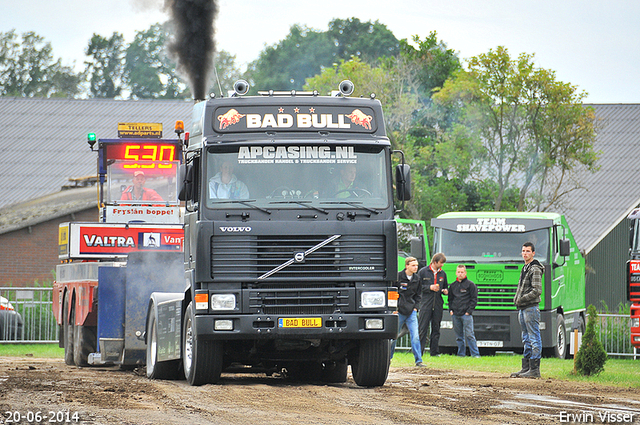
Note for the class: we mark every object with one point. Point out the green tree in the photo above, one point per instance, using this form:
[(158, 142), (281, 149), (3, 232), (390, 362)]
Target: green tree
[(398, 104), (226, 72), (365, 40), (305, 52), (149, 72), (430, 60), (534, 130), (106, 67), (591, 356), (286, 65), (28, 69)]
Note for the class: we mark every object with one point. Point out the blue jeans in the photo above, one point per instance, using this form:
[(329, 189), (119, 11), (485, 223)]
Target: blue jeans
[(529, 319), (463, 327), (412, 323)]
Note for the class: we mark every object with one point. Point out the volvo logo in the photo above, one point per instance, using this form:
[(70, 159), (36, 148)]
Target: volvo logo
[(299, 257), (235, 229)]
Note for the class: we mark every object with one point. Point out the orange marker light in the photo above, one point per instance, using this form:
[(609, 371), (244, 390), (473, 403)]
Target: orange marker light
[(179, 129)]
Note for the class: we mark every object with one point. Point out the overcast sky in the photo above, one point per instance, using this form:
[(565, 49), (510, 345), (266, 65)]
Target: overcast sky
[(592, 44)]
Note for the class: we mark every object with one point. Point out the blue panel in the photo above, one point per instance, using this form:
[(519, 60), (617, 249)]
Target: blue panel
[(111, 297), (147, 272)]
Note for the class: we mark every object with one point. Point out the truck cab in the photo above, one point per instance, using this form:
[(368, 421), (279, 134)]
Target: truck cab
[(290, 240), (489, 244)]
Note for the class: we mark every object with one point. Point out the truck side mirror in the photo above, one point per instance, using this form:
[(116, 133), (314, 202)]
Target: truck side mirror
[(181, 182), (403, 182), (565, 247), (417, 248)]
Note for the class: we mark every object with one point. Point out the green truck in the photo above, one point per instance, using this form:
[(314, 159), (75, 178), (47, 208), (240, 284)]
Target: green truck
[(489, 245), (412, 241)]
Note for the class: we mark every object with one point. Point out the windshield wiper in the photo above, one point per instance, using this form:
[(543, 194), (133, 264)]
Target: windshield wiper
[(302, 203), (243, 202), (353, 204)]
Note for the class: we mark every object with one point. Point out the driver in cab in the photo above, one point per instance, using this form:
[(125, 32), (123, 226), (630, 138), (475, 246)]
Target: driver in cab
[(346, 186), (137, 191), (225, 184)]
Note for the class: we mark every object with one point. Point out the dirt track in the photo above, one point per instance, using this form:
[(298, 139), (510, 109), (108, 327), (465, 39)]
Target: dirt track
[(414, 396)]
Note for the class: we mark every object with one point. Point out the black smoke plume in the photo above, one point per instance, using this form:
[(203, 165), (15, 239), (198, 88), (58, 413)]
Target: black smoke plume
[(193, 43)]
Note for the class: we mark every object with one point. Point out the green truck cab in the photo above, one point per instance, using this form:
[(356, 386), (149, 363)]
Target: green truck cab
[(489, 244), (412, 241)]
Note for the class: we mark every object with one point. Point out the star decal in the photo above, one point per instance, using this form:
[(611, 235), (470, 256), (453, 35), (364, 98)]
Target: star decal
[(296, 110), (312, 110), (280, 110)]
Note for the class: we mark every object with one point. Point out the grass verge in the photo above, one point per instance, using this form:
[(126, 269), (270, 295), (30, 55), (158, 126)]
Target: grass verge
[(32, 350), (617, 372)]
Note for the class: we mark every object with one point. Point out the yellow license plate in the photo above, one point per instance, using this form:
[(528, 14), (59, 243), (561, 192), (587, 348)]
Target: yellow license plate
[(300, 322)]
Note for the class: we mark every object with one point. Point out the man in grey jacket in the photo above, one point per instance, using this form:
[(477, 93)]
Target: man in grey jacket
[(527, 300)]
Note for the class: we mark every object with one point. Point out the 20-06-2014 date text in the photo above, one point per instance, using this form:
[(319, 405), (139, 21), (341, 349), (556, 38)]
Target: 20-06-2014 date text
[(39, 417)]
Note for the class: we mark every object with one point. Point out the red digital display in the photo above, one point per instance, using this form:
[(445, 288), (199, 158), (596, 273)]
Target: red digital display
[(144, 154)]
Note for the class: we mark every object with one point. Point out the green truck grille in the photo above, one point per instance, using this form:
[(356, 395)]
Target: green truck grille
[(495, 296)]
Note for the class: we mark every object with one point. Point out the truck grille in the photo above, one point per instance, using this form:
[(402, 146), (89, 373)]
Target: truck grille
[(302, 302), (246, 258), (491, 296)]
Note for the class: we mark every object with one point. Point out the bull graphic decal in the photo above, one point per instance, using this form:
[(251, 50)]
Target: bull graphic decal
[(230, 118), (358, 117)]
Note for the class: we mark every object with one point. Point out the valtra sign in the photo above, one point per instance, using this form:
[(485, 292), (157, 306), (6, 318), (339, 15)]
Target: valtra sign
[(104, 240)]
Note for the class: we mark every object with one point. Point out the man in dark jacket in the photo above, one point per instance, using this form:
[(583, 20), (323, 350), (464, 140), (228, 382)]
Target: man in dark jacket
[(527, 300), (463, 298), (434, 284), (409, 293)]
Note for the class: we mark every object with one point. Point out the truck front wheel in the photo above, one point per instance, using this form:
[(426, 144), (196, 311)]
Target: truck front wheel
[(561, 339), (370, 365), (158, 370), (202, 360)]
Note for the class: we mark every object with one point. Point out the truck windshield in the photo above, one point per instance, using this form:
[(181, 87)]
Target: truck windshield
[(284, 176), (145, 182), (490, 247)]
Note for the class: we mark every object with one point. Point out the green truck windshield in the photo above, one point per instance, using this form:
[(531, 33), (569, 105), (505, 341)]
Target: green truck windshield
[(490, 247)]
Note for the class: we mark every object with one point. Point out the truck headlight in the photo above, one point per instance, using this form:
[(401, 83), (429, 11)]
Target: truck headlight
[(223, 302), (373, 324), (223, 325), (373, 299)]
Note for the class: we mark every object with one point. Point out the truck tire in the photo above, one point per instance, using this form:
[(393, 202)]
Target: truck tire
[(67, 328), (370, 365), (84, 343), (202, 360), (560, 350), (158, 370)]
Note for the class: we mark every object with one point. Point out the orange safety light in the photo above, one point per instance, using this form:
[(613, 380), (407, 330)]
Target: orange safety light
[(393, 295), (201, 298), (179, 129)]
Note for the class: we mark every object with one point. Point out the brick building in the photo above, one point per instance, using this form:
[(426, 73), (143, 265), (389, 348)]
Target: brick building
[(29, 234)]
